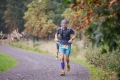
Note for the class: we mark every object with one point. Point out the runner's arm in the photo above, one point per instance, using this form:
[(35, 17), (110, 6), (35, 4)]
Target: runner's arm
[(73, 33), (73, 36), (56, 37)]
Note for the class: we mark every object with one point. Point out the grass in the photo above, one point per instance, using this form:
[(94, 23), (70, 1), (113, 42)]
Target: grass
[(6, 62), (96, 73), (27, 48)]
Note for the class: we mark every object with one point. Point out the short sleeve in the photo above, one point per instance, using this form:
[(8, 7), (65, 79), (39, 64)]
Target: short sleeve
[(72, 31), (58, 31)]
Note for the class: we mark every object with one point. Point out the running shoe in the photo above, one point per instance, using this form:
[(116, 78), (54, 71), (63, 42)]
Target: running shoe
[(68, 67), (63, 73), (56, 58)]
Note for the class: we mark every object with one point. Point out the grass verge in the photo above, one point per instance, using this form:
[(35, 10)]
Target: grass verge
[(6, 62), (27, 48), (95, 73)]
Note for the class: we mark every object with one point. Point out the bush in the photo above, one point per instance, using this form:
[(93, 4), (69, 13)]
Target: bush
[(75, 50), (109, 62)]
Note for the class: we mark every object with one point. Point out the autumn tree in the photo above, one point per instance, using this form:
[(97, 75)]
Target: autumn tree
[(101, 20), (37, 19)]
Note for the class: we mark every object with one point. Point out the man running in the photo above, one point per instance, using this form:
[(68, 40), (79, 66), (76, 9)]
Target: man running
[(1, 36), (57, 45), (65, 44)]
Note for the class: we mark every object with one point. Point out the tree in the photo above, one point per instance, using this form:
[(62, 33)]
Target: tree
[(2, 21), (14, 14), (101, 18), (37, 19), (58, 9)]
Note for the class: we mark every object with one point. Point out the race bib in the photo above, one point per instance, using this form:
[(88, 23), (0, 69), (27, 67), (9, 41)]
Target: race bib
[(65, 46)]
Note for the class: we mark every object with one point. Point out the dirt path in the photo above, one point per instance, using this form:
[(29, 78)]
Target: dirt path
[(34, 66)]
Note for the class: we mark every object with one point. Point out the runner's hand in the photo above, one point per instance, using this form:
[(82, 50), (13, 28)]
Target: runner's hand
[(56, 40), (70, 41)]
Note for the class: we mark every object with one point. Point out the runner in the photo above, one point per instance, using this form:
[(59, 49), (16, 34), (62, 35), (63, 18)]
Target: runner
[(1, 36), (65, 44), (57, 45)]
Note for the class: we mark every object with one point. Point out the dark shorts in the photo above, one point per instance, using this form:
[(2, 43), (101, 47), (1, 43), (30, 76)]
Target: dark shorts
[(57, 45), (0, 37)]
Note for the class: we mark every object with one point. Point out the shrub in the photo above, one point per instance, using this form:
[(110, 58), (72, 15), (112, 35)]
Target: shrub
[(109, 62)]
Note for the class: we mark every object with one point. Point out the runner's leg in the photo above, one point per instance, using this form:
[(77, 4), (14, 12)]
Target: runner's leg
[(61, 50), (57, 53), (62, 64), (57, 45), (67, 59), (67, 52)]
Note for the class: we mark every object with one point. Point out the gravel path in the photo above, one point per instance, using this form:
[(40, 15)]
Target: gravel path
[(34, 66)]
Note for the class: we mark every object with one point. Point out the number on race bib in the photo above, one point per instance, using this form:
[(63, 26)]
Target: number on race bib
[(65, 46)]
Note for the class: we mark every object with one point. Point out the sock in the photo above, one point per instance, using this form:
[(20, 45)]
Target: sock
[(62, 65)]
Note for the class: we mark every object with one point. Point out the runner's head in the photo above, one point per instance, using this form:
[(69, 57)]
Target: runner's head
[(63, 23)]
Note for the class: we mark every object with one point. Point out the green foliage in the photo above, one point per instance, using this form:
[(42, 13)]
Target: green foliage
[(14, 13), (37, 19), (15, 44), (102, 19), (2, 21), (107, 26), (96, 73), (70, 17), (56, 8), (108, 62), (75, 50)]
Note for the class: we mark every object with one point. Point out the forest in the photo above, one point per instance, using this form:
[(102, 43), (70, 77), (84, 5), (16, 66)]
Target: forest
[(96, 22)]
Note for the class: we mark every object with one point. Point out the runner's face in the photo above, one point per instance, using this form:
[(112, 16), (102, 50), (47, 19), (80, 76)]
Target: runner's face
[(63, 25)]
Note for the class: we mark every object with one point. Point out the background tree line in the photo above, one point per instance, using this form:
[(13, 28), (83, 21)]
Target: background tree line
[(44, 17)]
